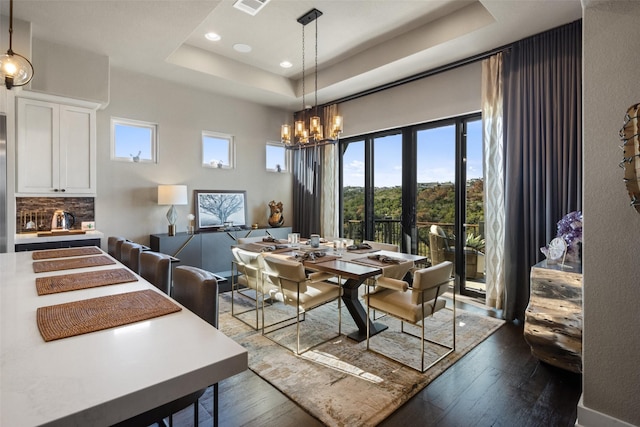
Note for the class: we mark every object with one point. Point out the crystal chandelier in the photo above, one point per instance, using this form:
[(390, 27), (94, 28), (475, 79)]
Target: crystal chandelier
[(302, 136), (15, 69)]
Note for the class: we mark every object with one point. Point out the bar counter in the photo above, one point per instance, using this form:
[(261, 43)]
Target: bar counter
[(102, 377)]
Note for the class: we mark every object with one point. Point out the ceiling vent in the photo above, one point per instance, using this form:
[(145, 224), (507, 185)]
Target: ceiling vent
[(252, 7)]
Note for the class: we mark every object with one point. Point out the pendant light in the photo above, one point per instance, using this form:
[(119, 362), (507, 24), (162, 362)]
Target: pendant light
[(15, 69), (302, 136)]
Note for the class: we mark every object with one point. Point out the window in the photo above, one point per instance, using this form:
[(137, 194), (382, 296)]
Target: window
[(276, 157), (397, 183), (217, 150), (132, 140)]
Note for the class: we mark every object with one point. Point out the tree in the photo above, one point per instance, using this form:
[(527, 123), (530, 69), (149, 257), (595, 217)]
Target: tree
[(221, 206)]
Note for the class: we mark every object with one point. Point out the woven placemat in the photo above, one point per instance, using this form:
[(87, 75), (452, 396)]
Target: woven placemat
[(75, 281), (96, 314), (68, 264), (66, 252)]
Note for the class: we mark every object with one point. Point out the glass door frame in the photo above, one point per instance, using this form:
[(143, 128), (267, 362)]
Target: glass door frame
[(409, 241)]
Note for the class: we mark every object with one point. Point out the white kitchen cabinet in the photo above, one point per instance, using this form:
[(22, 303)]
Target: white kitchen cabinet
[(56, 148)]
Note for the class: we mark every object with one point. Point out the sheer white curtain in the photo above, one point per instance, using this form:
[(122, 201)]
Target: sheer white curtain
[(329, 198), (494, 180)]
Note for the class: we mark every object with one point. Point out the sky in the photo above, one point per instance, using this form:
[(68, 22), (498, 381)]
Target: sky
[(436, 157)]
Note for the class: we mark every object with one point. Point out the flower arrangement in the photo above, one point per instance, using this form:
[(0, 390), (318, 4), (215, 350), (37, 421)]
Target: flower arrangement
[(570, 229)]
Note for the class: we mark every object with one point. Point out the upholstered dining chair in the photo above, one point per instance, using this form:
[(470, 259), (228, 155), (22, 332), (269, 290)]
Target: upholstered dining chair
[(155, 267), (197, 290), (130, 255), (114, 245), (393, 271), (302, 292), (246, 274), (382, 246), (413, 305)]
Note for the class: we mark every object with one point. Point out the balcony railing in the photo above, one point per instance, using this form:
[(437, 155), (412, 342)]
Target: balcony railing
[(390, 231)]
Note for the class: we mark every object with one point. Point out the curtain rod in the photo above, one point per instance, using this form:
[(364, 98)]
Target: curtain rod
[(437, 70), (421, 75)]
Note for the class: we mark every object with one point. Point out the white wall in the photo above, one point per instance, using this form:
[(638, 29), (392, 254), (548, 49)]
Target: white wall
[(126, 203), (611, 341), (440, 96)]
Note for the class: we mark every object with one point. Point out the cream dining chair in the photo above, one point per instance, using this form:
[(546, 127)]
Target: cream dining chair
[(302, 292), (392, 271), (382, 246), (246, 274), (413, 305)]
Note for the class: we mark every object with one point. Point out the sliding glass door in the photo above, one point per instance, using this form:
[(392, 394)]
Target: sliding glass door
[(371, 182), (420, 187)]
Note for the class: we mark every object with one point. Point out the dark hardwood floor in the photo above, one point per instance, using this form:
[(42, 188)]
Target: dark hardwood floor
[(498, 383)]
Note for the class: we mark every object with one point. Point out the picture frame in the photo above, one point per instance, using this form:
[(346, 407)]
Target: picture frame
[(219, 209)]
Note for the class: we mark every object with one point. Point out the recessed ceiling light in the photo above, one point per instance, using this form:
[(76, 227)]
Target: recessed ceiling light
[(243, 48), (213, 37), (286, 64)]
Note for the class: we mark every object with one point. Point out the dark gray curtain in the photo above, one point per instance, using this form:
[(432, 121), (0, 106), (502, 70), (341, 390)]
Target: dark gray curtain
[(307, 190), (543, 149)]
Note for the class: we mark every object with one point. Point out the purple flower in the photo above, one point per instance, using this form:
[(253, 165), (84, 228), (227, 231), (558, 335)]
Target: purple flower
[(570, 229)]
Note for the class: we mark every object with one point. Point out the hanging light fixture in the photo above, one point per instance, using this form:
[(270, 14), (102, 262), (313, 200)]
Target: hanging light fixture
[(314, 135), (15, 69)]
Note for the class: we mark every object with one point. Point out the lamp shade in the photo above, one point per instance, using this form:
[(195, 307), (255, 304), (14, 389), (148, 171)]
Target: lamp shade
[(172, 194)]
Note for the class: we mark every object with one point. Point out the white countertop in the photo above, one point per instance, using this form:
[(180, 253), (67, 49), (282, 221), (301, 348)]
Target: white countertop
[(24, 238), (102, 377)]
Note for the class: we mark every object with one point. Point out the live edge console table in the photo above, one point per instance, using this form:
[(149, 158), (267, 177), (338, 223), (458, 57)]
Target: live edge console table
[(553, 319), (210, 251)]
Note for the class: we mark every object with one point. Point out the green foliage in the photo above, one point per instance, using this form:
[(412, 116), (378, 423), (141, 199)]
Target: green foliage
[(435, 202), (475, 241)]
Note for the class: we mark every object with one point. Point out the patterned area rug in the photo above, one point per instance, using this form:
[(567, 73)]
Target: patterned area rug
[(340, 382)]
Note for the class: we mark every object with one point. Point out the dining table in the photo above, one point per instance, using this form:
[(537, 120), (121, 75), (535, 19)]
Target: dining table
[(53, 375), (353, 267)]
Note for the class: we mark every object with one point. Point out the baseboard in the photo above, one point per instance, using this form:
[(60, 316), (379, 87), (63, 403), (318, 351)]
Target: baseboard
[(591, 418)]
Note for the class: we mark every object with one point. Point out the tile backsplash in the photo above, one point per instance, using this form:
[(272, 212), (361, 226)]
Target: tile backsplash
[(39, 211)]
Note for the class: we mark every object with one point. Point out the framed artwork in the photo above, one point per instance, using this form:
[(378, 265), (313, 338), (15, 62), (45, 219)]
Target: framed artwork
[(219, 209)]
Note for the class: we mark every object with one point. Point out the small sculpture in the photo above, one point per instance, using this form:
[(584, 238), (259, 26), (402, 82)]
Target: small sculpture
[(276, 219)]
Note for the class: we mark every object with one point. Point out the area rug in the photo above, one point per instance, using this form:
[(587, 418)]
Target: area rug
[(340, 382)]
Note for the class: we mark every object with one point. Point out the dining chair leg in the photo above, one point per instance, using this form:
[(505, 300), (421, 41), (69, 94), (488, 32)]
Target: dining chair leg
[(215, 405), (195, 413)]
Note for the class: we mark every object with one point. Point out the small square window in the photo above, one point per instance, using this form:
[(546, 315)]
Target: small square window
[(132, 140), (217, 150), (276, 157)]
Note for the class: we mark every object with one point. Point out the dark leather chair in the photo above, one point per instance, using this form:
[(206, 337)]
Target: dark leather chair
[(155, 268), (197, 290), (114, 245), (130, 255)]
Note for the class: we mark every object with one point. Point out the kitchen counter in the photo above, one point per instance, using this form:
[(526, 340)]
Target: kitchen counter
[(103, 377), (33, 242), (26, 238)]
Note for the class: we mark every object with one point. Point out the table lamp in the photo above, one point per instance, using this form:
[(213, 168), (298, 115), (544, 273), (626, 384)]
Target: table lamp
[(172, 195)]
